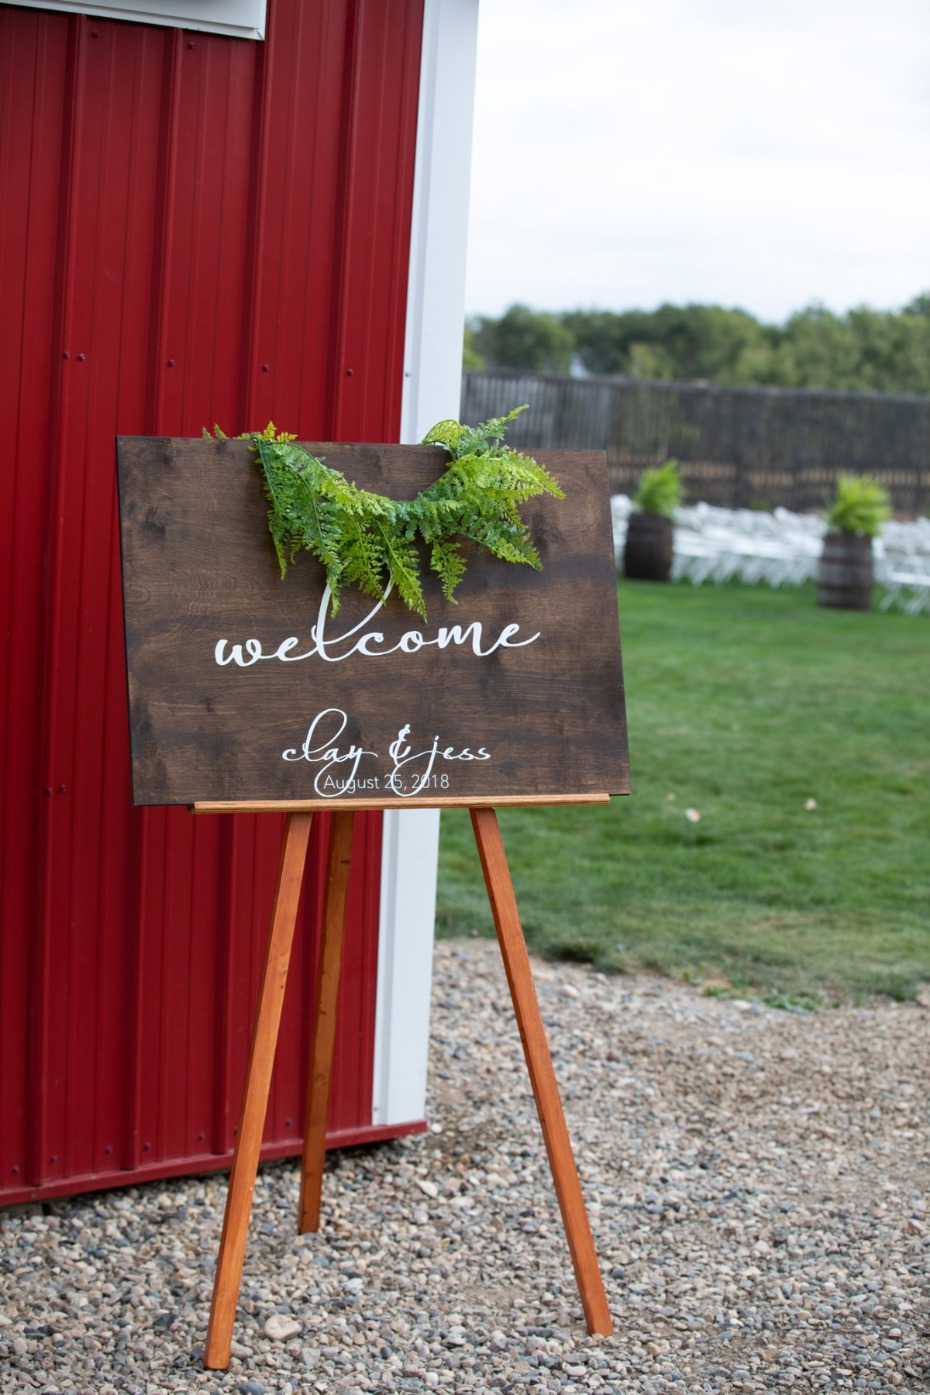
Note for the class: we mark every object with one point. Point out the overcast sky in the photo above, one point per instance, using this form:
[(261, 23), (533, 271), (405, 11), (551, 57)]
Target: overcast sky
[(764, 154)]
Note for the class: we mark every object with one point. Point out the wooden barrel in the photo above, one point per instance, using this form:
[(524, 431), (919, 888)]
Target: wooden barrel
[(647, 555), (844, 577)]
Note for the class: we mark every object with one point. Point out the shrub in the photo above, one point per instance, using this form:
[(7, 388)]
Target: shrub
[(659, 489), (860, 506)]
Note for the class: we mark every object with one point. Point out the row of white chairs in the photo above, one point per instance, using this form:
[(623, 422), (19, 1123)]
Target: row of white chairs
[(783, 549), (902, 565)]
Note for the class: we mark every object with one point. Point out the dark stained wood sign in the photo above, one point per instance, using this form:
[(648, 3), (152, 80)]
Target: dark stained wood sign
[(246, 687)]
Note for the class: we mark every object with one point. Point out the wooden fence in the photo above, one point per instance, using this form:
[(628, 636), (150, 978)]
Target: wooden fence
[(738, 447)]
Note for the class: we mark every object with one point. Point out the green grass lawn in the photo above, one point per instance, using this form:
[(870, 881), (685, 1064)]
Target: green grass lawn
[(744, 704)]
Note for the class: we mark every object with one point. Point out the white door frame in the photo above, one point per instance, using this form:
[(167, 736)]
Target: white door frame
[(432, 391)]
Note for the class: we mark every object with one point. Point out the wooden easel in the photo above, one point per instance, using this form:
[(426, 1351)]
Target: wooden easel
[(268, 1016)]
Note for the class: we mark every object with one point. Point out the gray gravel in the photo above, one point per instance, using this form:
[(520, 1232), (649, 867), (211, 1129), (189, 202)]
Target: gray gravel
[(756, 1182)]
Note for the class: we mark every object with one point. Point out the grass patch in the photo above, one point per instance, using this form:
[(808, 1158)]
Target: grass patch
[(744, 704)]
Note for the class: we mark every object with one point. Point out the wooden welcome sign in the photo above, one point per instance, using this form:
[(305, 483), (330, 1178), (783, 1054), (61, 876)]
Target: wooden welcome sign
[(249, 692), (244, 687)]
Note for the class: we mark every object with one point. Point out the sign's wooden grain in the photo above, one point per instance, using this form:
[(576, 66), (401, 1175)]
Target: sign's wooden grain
[(246, 687)]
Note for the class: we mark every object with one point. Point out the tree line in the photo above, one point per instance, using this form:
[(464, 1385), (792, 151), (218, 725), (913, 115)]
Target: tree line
[(863, 350)]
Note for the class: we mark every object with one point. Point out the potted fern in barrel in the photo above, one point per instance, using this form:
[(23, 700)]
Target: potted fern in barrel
[(846, 572), (647, 555)]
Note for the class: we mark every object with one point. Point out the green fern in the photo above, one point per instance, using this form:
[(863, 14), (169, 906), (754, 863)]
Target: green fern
[(369, 541), (860, 506)]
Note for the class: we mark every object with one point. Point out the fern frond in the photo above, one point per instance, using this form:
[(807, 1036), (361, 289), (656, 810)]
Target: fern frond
[(305, 507), (364, 561), (403, 566), (479, 440), (447, 562), (446, 433)]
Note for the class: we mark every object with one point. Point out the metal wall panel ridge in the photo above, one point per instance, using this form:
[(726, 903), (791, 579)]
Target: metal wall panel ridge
[(196, 229)]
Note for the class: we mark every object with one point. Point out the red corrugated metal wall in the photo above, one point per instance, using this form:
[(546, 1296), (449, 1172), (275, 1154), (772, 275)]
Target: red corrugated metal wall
[(195, 229)]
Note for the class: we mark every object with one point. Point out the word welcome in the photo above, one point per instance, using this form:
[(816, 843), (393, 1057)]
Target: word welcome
[(413, 766), (369, 643)]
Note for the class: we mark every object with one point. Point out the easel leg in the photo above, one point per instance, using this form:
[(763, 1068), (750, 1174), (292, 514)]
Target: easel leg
[(324, 1021), (539, 1065), (255, 1093)]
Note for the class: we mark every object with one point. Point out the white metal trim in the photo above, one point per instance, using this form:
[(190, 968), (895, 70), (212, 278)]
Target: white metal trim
[(432, 389), (238, 19)]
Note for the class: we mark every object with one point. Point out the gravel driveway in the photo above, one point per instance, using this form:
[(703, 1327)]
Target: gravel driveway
[(756, 1182)]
